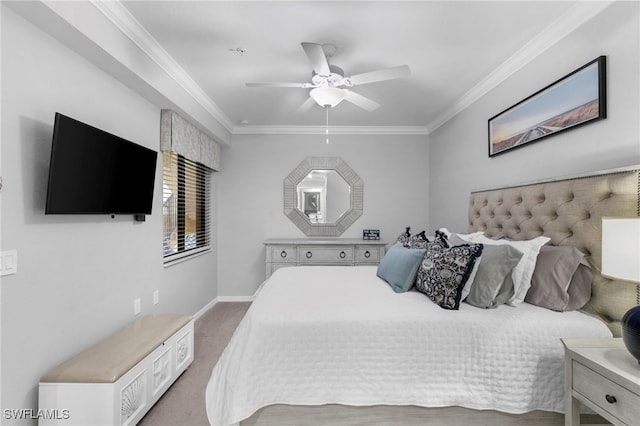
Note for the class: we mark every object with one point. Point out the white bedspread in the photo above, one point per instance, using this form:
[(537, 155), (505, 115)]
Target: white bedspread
[(319, 335)]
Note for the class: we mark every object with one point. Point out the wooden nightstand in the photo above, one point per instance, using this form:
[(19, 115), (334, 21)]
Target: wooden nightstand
[(604, 376)]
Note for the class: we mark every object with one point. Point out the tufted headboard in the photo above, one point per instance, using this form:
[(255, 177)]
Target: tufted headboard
[(569, 211)]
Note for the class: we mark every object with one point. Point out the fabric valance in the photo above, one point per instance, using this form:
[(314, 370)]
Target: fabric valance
[(180, 136)]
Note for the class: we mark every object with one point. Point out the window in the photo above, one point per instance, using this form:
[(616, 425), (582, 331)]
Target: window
[(185, 206)]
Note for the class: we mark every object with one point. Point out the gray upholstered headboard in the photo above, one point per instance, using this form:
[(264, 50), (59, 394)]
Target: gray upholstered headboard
[(569, 211)]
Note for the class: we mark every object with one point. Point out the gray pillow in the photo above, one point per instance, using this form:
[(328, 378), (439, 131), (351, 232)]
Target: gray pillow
[(580, 287), (493, 284), (560, 281)]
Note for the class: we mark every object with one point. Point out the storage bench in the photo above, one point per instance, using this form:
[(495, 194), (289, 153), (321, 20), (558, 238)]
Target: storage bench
[(116, 381)]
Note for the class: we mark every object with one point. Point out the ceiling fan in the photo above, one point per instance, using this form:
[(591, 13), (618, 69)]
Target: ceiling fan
[(328, 83)]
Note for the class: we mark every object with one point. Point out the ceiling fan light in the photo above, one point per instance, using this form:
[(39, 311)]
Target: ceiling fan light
[(327, 96)]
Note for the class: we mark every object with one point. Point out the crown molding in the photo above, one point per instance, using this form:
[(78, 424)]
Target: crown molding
[(333, 130), (562, 26), (566, 23), (115, 12)]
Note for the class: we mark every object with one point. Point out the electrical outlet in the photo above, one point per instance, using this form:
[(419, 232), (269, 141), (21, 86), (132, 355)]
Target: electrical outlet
[(137, 306), (156, 297)]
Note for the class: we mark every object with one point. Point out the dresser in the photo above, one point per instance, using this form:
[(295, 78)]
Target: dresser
[(604, 376), (281, 253)]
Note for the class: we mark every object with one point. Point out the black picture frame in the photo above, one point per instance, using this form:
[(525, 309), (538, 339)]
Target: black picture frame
[(574, 100)]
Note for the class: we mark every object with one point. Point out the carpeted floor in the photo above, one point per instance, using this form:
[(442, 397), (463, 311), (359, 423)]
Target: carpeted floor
[(183, 403)]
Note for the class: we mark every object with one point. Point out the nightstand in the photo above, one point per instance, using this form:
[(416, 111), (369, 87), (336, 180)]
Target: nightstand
[(604, 376)]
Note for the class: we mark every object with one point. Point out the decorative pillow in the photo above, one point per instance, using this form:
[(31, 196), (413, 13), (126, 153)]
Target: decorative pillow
[(444, 272), (450, 240), (418, 241), (523, 271), (399, 266), (404, 237), (580, 287), (493, 280), (488, 286), (557, 270)]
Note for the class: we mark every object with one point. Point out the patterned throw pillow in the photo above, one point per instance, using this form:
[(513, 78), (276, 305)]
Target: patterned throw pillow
[(418, 241), (404, 237), (444, 272)]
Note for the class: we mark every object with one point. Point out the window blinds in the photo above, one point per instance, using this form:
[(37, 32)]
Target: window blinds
[(185, 206), (189, 158)]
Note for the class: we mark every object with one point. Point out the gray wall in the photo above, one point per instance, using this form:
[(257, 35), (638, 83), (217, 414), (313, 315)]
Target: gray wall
[(77, 275), (458, 159), (395, 174)]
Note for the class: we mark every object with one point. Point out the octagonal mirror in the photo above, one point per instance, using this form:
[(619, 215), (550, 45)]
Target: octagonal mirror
[(323, 196)]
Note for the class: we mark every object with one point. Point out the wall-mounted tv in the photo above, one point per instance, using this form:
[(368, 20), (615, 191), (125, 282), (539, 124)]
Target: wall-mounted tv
[(94, 172)]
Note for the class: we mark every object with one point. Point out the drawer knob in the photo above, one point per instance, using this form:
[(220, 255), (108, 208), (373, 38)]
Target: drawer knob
[(367, 254), (610, 399), (343, 254), (309, 254), (283, 254)]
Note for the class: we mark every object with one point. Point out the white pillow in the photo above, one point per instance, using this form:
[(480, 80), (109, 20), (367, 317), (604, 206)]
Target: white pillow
[(523, 271), (472, 276)]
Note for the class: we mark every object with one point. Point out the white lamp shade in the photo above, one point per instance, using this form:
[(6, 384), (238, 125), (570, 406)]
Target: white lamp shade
[(621, 248), (327, 96)]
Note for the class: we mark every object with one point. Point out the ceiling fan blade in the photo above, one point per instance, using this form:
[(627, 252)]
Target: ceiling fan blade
[(317, 58), (380, 75), (276, 84), (361, 101), (306, 106)]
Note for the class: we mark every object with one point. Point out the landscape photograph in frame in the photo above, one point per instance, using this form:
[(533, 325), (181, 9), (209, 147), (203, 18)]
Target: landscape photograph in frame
[(576, 99)]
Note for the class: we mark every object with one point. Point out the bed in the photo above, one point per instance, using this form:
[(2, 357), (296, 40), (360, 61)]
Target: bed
[(337, 345)]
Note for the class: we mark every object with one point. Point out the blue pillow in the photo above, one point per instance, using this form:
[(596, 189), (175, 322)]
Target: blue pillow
[(399, 267)]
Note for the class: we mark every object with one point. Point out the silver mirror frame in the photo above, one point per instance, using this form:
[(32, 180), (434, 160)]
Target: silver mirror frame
[(323, 229)]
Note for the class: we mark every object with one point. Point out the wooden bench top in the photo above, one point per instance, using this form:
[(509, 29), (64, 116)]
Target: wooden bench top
[(111, 358)]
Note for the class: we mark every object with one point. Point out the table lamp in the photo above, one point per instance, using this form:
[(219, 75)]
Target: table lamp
[(621, 260)]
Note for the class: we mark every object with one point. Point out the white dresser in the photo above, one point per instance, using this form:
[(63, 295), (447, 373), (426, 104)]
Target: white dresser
[(309, 251)]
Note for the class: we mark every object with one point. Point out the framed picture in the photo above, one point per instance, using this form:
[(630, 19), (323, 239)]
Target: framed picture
[(576, 99)]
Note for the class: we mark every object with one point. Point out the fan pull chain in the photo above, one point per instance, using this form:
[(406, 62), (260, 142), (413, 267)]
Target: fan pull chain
[(326, 132)]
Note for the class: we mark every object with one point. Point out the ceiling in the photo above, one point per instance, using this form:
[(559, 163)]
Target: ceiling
[(454, 49)]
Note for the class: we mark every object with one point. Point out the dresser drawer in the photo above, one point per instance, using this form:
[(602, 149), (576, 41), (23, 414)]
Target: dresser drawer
[(282, 254), (326, 255), (369, 254), (609, 396)]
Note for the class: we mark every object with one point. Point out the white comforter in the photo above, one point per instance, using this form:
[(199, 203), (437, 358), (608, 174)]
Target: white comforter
[(319, 335)]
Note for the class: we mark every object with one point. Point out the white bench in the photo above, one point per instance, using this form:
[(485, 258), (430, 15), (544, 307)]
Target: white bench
[(117, 381)]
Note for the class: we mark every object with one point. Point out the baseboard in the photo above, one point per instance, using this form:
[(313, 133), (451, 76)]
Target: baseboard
[(219, 299), (205, 308), (235, 298)]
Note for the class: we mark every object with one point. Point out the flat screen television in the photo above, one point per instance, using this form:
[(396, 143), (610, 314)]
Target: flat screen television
[(95, 172)]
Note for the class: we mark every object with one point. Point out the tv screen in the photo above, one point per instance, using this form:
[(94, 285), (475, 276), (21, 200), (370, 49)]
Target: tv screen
[(94, 172)]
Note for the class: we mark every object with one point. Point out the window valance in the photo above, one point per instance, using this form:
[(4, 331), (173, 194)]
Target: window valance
[(180, 136)]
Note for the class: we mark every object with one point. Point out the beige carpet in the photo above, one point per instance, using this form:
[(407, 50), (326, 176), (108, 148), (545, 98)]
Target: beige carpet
[(183, 403)]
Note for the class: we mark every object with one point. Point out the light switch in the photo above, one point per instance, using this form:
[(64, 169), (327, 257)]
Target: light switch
[(9, 262)]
